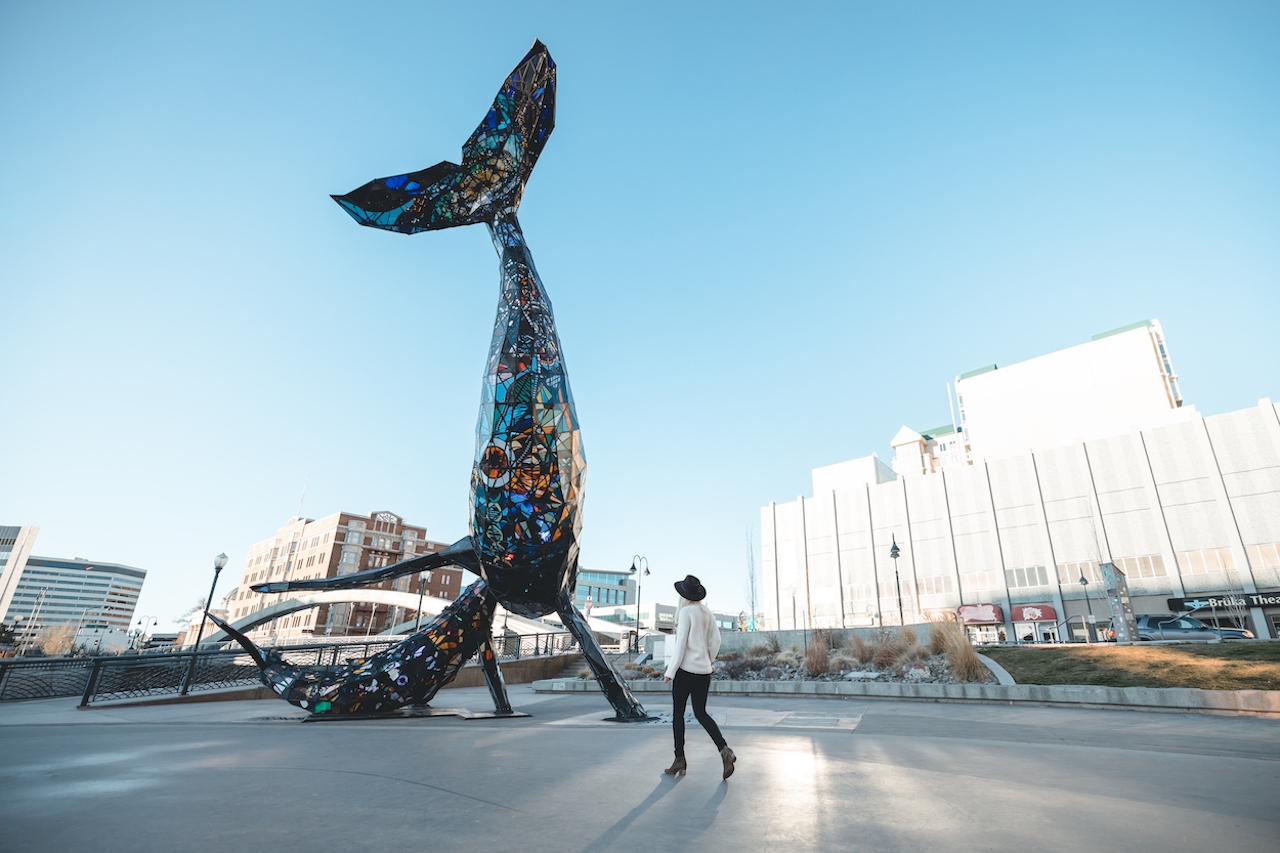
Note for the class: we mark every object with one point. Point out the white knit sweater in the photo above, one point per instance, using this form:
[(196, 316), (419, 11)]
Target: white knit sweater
[(697, 641)]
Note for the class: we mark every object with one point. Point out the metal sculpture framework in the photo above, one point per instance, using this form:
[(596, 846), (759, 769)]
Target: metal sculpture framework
[(527, 481)]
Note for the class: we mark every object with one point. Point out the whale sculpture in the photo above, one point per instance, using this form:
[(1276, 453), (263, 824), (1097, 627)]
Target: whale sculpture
[(527, 481)]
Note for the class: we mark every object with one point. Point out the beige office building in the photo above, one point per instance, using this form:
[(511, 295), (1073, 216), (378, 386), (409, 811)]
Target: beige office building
[(1054, 466), (339, 544)]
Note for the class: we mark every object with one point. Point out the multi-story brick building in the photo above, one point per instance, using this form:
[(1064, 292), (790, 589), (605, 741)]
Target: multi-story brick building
[(339, 544)]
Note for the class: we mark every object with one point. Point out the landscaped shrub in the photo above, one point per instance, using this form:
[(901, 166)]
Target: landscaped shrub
[(840, 661), (759, 650), (792, 656), (885, 649), (772, 644), (648, 670), (728, 656), (915, 651), (938, 638), (736, 669), (856, 647), (960, 654), (815, 654)]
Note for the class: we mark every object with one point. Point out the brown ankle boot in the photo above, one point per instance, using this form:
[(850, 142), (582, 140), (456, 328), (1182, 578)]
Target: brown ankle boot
[(677, 767), (727, 756)]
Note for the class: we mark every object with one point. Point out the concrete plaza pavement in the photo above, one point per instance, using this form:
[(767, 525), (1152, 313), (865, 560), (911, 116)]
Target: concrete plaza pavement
[(813, 774)]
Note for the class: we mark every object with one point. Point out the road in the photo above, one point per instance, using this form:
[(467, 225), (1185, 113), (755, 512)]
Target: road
[(813, 774)]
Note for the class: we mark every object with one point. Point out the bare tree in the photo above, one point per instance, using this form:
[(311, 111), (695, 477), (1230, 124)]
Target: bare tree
[(753, 597), (57, 640), (186, 615)]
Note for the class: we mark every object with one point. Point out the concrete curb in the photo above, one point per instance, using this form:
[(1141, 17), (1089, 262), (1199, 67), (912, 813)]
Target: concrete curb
[(1002, 675), (1177, 700)]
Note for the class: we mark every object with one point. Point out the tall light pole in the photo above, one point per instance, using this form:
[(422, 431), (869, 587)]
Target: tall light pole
[(1089, 635), (218, 563), (422, 590), (895, 553), (639, 568)]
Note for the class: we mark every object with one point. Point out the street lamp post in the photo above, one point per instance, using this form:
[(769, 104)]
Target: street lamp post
[(422, 590), (218, 563), (1089, 629), (895, 553), (639, 568)]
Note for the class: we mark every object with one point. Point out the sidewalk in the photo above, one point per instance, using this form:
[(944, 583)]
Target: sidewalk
[(813, 775)]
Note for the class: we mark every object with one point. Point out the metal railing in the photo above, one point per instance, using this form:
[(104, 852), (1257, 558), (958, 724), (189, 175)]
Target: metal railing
[(139, 676), (43, 678)]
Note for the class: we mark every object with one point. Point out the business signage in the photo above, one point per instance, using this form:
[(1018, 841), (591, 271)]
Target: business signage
[(1248, 599), (1034, 613), (979, 614)]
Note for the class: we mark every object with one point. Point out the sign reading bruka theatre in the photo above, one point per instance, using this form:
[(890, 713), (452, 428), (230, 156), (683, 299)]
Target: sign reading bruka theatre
[(1252, 599)]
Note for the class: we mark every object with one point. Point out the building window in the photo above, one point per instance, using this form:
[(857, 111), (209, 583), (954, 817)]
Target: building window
[(1030, 576), (1264, 556), (1206, 562), (935, 586), (1142, 567), (1070, 573)]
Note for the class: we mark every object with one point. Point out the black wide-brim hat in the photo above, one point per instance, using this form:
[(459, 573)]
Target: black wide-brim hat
[(691, 588)]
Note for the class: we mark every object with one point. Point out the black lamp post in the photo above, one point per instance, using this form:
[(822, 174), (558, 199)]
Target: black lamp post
[(1089, 635), (637, 562), (218, 563), (422, 590), (895, 553)]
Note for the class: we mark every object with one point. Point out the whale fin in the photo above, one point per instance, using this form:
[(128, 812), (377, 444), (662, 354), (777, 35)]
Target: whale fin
[(496, 162), (460, 553), (275, 672)]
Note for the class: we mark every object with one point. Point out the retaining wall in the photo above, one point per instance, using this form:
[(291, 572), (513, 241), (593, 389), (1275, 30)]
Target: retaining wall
[(1173, 699), (736, 641)]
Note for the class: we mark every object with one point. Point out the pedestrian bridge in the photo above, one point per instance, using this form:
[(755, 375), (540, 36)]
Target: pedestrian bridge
[(431, 606)]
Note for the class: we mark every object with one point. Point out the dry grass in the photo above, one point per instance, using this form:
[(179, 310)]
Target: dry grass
[(954, 641), (914, 651), (937, 638), (1246, 665), (816, 654), (885, 649), (840, 662), (791, 656), (857, 648), (772, 646), (759, 650), (728, 656)]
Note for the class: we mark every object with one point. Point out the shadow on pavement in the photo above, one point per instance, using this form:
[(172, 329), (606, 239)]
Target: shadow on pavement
[(603, 841)]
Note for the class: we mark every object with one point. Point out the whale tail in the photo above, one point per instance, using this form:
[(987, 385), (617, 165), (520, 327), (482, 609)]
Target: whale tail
[(276, 673), (496, 162), (408, 673)]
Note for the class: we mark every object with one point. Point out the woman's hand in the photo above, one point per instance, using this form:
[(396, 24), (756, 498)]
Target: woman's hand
[(666, 678)]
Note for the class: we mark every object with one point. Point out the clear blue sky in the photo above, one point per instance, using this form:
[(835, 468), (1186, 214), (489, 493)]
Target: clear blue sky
[(771, 233)]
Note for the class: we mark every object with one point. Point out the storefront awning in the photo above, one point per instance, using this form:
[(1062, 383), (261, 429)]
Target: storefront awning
[(1034, 613), (979, 614)]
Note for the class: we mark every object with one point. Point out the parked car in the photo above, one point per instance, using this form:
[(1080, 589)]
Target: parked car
[(1185, 628)]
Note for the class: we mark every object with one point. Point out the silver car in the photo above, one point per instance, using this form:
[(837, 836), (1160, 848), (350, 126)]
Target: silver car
[(1185, 628)]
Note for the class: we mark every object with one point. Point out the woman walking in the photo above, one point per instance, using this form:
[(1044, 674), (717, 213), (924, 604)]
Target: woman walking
[(697, 644)]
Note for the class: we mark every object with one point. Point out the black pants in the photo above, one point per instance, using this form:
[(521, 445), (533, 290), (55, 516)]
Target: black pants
[(684, 685)]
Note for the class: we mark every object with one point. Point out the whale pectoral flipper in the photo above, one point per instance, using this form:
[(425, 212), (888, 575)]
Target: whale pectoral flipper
[(460, 554), (614, 688)]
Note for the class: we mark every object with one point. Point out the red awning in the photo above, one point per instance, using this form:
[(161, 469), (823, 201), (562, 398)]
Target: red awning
[(1034, 613), (979, 614)]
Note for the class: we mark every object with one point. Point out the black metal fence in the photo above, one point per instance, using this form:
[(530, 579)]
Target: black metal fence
[(134, 676)]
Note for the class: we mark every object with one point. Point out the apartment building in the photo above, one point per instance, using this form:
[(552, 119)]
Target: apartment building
[(338, 544)]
